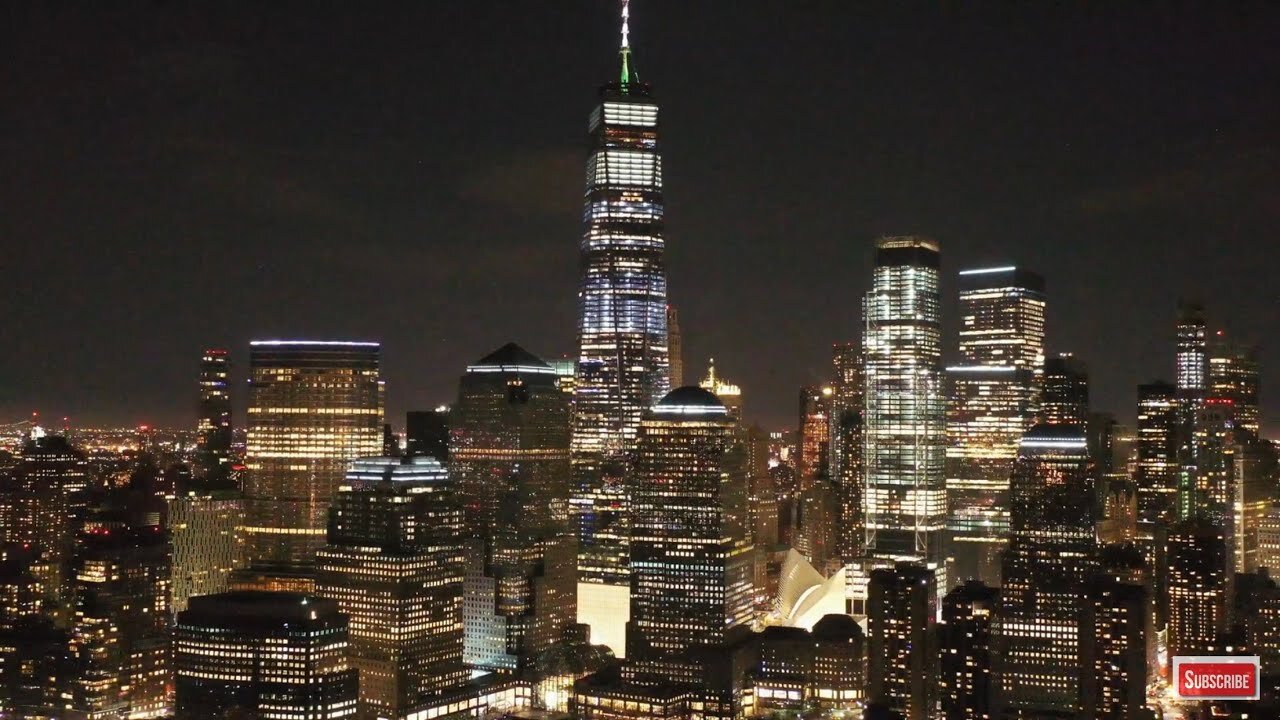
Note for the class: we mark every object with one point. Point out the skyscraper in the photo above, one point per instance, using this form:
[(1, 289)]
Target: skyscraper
[(846, 448), (44, 502), (993, 397), (691, 547), (393, 564), (120, 630), (1051, 556), (213, 426), (902, 663), (815, 512), (1191, 376), (1198, 586), (727, 392), (510, 460), (264, 655), (206, 546), (904, 414), (313, 407), (1156, 475), (623, 365), (1120, 619), (675, 348), (427, 433), (1066, 391), (1233, 376), (964, 650)]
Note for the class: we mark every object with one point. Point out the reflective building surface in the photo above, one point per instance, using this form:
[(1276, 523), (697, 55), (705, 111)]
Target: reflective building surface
[(904, 418), (993, 397), (510, 460), (623, 366), (313, 407), (393, 564)]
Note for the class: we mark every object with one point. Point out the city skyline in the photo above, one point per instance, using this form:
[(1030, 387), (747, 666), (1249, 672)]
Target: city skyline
[(212, 181)]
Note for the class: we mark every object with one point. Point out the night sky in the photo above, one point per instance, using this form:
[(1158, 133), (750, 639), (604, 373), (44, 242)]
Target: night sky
[(178, 175)]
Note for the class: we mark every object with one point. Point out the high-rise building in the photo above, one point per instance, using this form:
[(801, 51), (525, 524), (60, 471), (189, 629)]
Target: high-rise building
[(904, 415), (213, 426), (1156, 475), (993, 394), (1269, 539), (964, 651), (43, 503), (902, 665), (510, 460), (1120, 616), (1192, 352), (815, 513), (623, 361), (814, 434), (120, 632), (393, 564), (313, 407), (1253, 490), (1198, 586), (846, 449), (1233, 375), (268, 655), (1052, 554), (427, 433), (691, 547), (206, 546), (675, 348), (1191, 376), (1066, 391), (729, 394)]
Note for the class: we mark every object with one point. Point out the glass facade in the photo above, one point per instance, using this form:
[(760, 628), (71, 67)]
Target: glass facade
[(623, 363), (904, 444), (1156, 473), (1052, 554), (510, 457), (993, 394), (313, 407), (691, 554), (213, 426), (393, 564)]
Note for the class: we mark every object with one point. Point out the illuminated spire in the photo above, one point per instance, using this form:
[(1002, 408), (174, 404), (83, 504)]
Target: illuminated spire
[(628, 73)]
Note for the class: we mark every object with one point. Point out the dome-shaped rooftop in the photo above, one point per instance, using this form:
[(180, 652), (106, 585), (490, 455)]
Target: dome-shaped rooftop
[(511, 358), (690, 400)]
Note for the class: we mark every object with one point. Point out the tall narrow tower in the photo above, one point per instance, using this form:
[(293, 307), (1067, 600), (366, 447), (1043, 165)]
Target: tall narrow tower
[(213, 427), (904, 412), (623, 365)]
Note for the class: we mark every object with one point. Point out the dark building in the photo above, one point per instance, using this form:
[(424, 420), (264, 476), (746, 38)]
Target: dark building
[(510, 460), (427, 433), (1066, 391), (824, 668), (43, 502), (965, 650), (1052, 554), (265, 655), (691, 555), (393, 563), (902, 662), (213, 425), (846, 449), (120, 631)]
